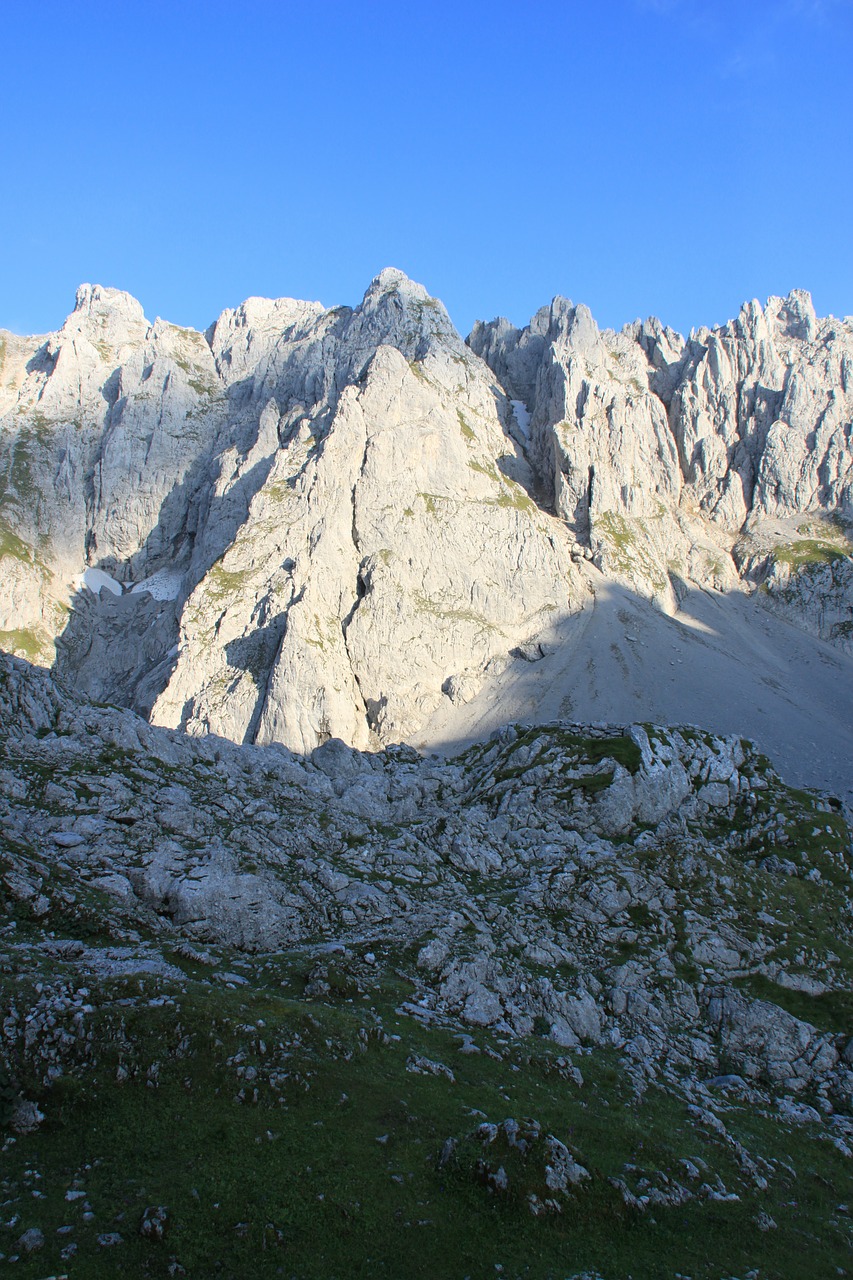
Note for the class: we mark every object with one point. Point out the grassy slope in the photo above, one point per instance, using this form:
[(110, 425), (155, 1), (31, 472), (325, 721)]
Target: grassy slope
[(298, 1184)]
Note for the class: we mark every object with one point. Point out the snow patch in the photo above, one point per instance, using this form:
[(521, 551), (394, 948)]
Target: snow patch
[(165, 584), (522, 417), (96, 580)]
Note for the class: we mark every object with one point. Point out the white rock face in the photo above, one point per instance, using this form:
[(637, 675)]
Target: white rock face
[(339, 523), (103, 425), (658, 451), (392, 550)]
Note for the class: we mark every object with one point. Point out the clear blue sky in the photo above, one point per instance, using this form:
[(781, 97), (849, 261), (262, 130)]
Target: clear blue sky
[(668, 157)]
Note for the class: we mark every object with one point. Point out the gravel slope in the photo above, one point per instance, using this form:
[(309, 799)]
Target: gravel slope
[(723, 662)]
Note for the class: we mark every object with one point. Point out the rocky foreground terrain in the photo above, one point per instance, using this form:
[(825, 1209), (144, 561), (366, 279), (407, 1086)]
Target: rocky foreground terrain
[(372, 903), (575, 1001)]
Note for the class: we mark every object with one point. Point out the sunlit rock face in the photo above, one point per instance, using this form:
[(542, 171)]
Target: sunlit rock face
[(310, 523), (662, 453)]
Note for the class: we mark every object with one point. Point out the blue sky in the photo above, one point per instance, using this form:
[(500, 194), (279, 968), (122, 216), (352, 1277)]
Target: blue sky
[(669, 157)]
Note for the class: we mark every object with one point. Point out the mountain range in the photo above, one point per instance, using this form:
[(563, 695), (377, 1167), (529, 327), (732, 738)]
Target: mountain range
[(307, 523)]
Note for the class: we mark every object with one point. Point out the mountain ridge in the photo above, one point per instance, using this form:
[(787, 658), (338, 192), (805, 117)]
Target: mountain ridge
[(359, 518)]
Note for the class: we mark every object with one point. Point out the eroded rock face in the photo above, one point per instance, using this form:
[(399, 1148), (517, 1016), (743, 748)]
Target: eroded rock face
[(656, 450), (345, 524), (345, 601), (103, 430), (310, 523), (768, 1040)]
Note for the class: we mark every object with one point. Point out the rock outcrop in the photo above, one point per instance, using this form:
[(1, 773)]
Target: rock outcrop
[(631, 886)]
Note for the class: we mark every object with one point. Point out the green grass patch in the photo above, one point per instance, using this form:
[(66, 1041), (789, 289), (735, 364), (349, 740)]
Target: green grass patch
[(808, 552), (26, 642), (223, 584), (515, 497), (832, 1011), (335, 1171), (617, 530), (620, 748), (433, 502), (628, 548), (487, 469), (464, 427), (13, 546)]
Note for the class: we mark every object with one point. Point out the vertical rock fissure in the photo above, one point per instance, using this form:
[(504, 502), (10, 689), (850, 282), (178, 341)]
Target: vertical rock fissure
[(263, 694), (360, 588), (589, 496)]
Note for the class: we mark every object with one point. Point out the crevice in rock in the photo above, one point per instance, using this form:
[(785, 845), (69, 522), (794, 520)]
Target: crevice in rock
[(264, 692), (354, 529), (361, 590)]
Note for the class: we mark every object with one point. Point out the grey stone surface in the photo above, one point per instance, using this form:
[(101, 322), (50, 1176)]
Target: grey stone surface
[(563, 880)]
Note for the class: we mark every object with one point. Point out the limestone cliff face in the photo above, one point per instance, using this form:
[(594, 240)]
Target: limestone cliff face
[(659, 452), (392, 552), (104, 424), (310, 523)]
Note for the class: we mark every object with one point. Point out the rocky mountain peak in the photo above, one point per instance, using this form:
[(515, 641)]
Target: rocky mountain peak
[(392, 280), (398, 312), (101, 301), (793, 317)]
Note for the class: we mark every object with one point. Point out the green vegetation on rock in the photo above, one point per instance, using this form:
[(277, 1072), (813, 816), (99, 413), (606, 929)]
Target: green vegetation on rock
[(464, 427), (628, 551), (223, 584), (13, 546), (27, 643)]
